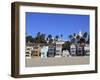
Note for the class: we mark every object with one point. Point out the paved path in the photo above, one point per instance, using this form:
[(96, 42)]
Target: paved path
[(37, 61)]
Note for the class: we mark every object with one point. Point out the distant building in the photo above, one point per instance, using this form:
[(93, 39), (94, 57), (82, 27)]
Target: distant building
[(73, 49), (59, 48), (33, 49), (51, 50), (29, 49), (36, 50), (80, 50), (87, 49), (44, 51)]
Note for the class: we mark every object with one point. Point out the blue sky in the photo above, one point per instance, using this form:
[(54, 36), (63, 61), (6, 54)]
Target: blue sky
[(56, 24)]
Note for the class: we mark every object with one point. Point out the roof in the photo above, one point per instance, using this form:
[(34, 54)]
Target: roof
[(35, 44)]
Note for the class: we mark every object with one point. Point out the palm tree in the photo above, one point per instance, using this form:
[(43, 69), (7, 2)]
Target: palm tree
[(56, 37), (88, 41), (82, 40), (38, 34), (50, 38), (40, 38), (61, 36), (78, 38), (29, 39), (70, 37), (74, 35), (85, 36)]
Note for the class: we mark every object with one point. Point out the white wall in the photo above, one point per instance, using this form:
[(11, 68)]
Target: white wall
[(5, 40)]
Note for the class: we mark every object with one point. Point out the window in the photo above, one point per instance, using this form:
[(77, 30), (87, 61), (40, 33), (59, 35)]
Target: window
[(35, 47), (57, 50), (27, 53)]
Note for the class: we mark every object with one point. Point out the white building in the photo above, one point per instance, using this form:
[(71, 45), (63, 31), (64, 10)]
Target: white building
[(28, 51), (87, 49), (73, 49), (59, 48), (44, 51)]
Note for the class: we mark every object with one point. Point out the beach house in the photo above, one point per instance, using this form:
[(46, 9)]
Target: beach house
[(59, 48), (36, 50), (73, 49), (43, 51), (29, 49), (87, 49)]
